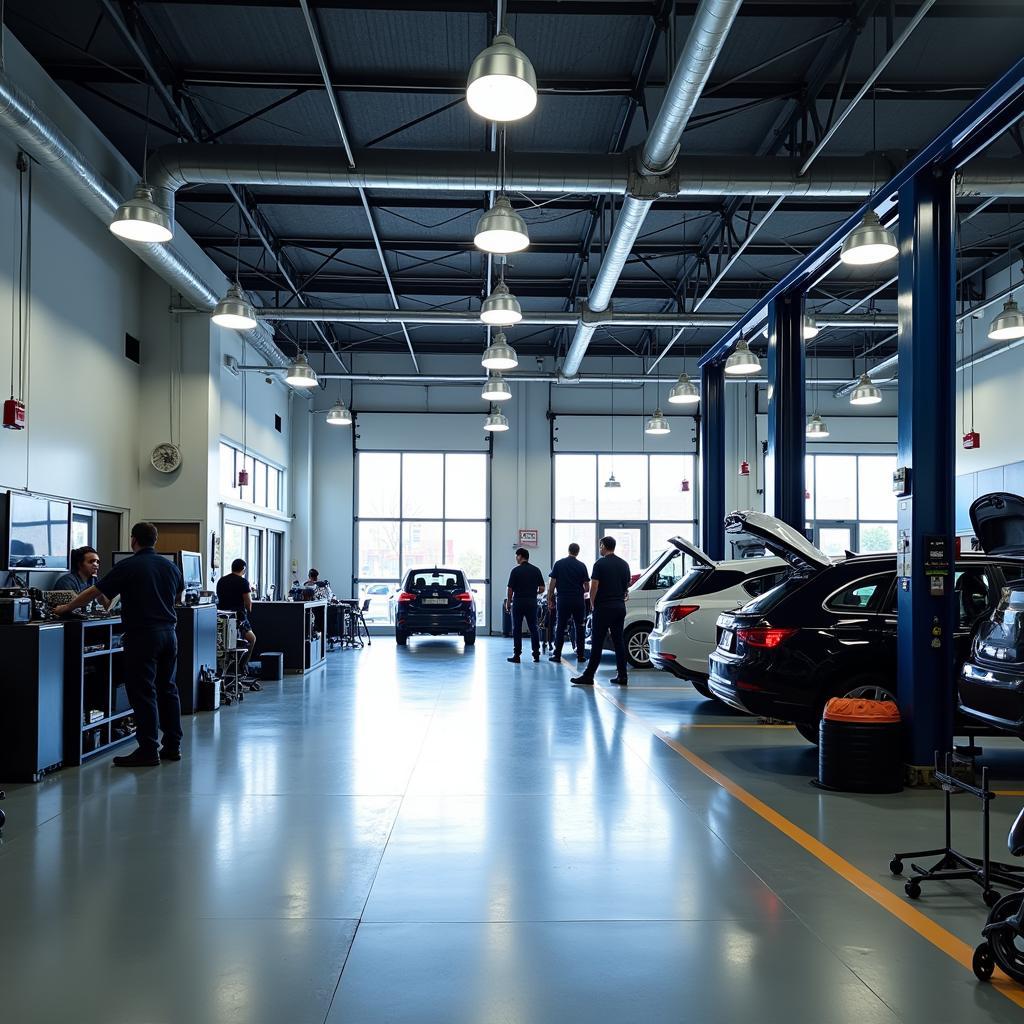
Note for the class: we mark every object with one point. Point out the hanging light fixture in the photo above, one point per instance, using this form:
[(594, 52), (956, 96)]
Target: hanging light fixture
[(742, 361), (817, 428), (339, 416), (499, 355), (502, 85), (234, 311), (866, 392), (139, 219), (744, 468), (611, 481), (657, 424), (495, 422), (684, 392), (1009, 324), (868, 243), (811, 329), (501, 230), (300, 374), (684, 486), (501, 308), (496, 389)]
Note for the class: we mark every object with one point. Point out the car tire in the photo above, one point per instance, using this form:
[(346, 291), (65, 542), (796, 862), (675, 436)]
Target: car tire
[(470, 638), (809, 731), (638, 644), (402, 639), (703, 689), (863, 685)]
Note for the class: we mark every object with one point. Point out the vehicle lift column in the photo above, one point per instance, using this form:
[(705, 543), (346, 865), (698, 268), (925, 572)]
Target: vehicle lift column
[(925, 477), (784, 465), (712, 453)]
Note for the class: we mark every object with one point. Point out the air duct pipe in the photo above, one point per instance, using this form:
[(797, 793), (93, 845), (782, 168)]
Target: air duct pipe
[(711, 25)]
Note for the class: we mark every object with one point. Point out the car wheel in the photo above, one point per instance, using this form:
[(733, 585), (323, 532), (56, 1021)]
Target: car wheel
[(470, 638), (703, 689), (868, 688), (638, 645), (402, 639), (809, 731)]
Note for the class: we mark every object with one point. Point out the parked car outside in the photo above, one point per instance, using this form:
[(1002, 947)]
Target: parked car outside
[(685, 619), (828, 629), (437, 602)]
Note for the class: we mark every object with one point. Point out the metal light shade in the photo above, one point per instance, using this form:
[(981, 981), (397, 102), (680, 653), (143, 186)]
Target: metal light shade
[(817, 428), (742, 361), (495, 421), (657, 424), (501, 230), (866, 393), (234, 311), (496, 389), (301, 375), (684, 392), (339, 416), (811, 328), (500, 355), (501, 307), (139, 219), (502, 85), (612, 482), (868, 243), (1009, 324)]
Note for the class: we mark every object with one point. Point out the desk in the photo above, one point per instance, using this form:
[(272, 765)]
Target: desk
[(296, 628)]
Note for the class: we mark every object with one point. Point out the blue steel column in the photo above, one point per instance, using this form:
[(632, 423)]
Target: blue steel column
[(784, 465), (927, 394), (712, 455)]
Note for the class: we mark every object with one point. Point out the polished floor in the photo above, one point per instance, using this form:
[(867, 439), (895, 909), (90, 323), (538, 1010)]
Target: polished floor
[(428, 834)]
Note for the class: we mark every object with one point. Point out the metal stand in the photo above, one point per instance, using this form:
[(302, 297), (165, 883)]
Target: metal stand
[(953, 865)]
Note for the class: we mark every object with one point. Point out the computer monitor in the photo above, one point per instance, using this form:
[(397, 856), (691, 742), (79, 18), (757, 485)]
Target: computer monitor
[(38, 533), (192, 569)]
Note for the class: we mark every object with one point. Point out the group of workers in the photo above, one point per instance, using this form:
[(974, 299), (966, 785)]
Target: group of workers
[(569, 585)]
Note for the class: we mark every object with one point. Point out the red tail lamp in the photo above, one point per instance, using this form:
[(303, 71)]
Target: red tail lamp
[(767, 637)]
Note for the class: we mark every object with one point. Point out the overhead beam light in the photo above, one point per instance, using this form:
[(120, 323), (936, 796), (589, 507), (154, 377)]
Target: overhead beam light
[(502, 85), (817, 428), (868, 243), (811, 329), (495, 422), (139, 219), (234, 311), (1009, 324), (684, 392), (301, 375), (657, 424), (499, 355), (742, 361), (866, 392), (501, 230), (496, 389), (339, 416), (501, 308)]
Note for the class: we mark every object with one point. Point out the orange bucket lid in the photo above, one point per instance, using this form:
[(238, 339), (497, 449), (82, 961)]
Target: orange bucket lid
[(857, 709)]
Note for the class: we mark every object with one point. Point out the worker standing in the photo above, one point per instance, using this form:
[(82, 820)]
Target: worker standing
[(525, 582), (566, 581), (609, 591)]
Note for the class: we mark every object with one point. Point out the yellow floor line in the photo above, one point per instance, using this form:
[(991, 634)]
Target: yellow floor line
[(953, 947), (1008, 792)]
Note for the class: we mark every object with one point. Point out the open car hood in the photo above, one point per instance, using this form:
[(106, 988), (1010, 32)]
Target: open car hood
[(780, 538), (998, 521)]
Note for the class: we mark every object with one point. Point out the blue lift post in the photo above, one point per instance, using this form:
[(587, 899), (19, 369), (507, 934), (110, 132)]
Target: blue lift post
[(712, 452), (787, 407), (927, 413)]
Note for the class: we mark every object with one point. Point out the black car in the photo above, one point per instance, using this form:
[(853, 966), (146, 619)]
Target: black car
[(992, 680), (437, 602), (829, 629)]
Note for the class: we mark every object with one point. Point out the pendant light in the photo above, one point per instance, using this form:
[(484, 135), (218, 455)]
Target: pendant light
[(657, 424), (501, 230), (1008, 325), (502, 85), (611, 481), (869, 243), (866, 392), (499, 355), (339, 416), (139, 219), (817, 428), (234, 311), (811, 329), (742, 361), (501, 308), (684, 392), (300, 374), (496, 389), (495, 422)]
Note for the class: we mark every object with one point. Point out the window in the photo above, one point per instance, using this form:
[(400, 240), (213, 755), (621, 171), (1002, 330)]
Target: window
[(83, 527), (850, 503), (859, 595), (972, 589), (419, 510), (755, 586), (265, 481)]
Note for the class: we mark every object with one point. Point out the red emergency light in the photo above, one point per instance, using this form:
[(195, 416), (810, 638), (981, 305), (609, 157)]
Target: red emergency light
[(14, 414), (972, 439)]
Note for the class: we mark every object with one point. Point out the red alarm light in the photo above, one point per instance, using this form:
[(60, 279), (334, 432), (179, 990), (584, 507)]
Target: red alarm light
[(744, 468), (972, 440), (14, 414), (685, 485), (243, 478)]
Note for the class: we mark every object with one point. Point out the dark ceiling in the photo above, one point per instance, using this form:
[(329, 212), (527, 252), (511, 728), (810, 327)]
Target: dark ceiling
[(246, 73)]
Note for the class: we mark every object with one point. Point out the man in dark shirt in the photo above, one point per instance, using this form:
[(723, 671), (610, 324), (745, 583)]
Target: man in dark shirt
[(525, 582), (149, 586), (565, 592), (609, 591), (235, 595)]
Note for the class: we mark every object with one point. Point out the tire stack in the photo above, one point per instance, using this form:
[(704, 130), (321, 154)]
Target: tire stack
[(860, 746)]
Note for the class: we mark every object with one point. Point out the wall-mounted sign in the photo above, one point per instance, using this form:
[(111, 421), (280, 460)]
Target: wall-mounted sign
[(529, 538)]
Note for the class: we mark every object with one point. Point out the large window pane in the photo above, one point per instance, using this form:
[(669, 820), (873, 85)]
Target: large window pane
[(465, 487), (809, 487), (576, 533), (227, 471), (260, 484), (378, 549), (421, 545), (575, 495), (381, 611), (379, 481), (273, 489), (834, 541), (876, 498), (877, 537), (250, 468), (628, 501), (661, 534), (629, 545), (465, 547), (422, 486), (234, 546), (836, 483), (668, 499)]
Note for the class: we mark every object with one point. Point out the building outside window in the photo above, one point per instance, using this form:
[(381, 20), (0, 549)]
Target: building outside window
[(266, 482), (850, 504)]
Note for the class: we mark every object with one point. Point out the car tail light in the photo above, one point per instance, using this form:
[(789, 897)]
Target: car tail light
[(764, 636), (405, 597), (464, 596), (680, 611)]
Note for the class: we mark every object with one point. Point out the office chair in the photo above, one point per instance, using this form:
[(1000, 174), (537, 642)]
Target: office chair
[(361, 614)]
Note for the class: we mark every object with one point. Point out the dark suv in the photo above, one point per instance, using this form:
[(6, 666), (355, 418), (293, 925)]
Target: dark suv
[(437, 602), (829, 629)]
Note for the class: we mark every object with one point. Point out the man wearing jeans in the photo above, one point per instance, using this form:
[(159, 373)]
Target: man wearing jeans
[(609, 591), (525, 582)]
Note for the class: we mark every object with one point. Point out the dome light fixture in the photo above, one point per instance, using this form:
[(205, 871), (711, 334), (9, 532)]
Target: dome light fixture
[(139, 219), (817, 428), (496, 389), (611, 481), (811, 329), (657, 424), (684, 392), (1009, 324), (501, 308), (495, 422), (742, 361), (300, 374), (866, 392), (499, 355), (339, 416), (234, 311), (868, 243), (501, 230), (502, 85)]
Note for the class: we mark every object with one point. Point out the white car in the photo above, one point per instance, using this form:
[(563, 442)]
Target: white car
[(684, 633)]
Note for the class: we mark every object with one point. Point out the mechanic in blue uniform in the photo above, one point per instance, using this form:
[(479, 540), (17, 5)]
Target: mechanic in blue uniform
[(609, 592), (566, 581), (525, 582), (149, 586)]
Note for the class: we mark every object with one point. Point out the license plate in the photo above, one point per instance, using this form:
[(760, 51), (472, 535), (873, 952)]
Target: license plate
[(435, 600), (726, 639)]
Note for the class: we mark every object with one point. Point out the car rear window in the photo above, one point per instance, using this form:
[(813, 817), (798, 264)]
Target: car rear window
[(755, 586), (420, 578), (702, 579), (770, 598), (860, 595)]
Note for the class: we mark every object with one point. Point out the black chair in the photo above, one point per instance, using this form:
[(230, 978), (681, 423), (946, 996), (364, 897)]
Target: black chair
[(361, 620)]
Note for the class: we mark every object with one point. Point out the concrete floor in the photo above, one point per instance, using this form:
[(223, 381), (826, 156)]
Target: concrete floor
[(432, 835)]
